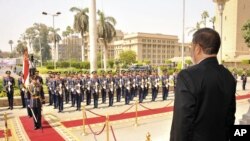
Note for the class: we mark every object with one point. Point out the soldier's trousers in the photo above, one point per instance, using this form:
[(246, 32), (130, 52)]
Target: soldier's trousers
[(141, 94), (82, 95), (88, 97), (78, 101), (55, 99), (103, 91), (118, 94), (132, 95), (10, 99), (60, 103), (244, 85), (73, 99), (164, 93), (95, 96), (145, 92), (50, 98), (127, 96), (22, 98), (111, 98), (154, 93), (37, 114), (66, 96)]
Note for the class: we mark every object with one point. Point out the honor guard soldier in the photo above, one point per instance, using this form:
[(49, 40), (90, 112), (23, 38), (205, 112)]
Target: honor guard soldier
[(141, 87), (95, 86), (133, 79), (165, 85), (71, 89), (66, 84), (103, 82), (154, 82), (127, 83), (22, 89), (78, 94), (60, 90), (110, 87), (36, 101), (8, 84), (49, 86), (88, 88), (244, 80), (118, 84)]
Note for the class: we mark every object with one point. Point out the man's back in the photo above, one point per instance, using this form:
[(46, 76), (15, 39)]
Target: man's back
[(205, 103)]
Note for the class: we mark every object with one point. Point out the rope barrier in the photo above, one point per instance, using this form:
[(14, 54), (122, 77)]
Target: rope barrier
[(154, 109), (113, 133), (127, 109), (95, 113)]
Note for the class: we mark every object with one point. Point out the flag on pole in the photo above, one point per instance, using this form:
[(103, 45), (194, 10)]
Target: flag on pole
[(25, 67)]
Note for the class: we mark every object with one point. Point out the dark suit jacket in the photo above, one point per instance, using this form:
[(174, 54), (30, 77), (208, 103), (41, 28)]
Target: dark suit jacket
[(204, 104)]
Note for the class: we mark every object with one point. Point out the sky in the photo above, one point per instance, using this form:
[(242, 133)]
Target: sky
[(150, 16)]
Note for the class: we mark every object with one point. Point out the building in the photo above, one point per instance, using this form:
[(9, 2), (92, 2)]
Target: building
[(157, 48), (235, 15)]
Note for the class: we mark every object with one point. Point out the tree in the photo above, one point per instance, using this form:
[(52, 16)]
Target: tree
[(204, 17), (21, 45), (11, 43), (106, 32), (193, 29), (81, 24), (111, 63), (128, 57), (246, 32), (29, 35), (212, 20)]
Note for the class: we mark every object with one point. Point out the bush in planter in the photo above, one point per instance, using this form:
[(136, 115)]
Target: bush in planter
[(85, 65)]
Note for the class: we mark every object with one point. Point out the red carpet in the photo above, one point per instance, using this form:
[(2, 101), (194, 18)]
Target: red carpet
[(47, 134), (239, 97), (2, 133), (128, 115)]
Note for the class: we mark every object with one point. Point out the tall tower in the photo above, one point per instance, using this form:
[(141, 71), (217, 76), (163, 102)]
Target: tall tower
[(235, 15)]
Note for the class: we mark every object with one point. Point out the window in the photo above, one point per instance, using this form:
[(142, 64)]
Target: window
[(149, 56), (154, 46), (154, 41), (144, 45), (159, 41), (154, 51), (143, 56), (149, 41), (159, 61), (143, 40), (163, 56), (143, 50)]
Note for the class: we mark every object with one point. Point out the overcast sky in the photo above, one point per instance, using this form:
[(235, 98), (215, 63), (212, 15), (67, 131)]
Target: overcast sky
[(153, 16)]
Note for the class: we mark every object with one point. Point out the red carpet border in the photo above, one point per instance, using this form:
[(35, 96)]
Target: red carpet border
[(95, 120), (47, 134)]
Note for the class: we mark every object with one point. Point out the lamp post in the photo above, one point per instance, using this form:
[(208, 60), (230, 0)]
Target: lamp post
[(92, 35), (183, 36), (55, 49), (101, 39), (221, 5)]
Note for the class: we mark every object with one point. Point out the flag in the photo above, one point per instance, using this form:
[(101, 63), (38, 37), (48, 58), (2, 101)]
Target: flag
[(26, 67)]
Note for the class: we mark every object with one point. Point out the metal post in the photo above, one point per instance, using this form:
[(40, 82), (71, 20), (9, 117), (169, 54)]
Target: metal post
[(183, 35), (83, 121), (107, 127), (54, 34), (136, 113), (148, 137), (6, 127)]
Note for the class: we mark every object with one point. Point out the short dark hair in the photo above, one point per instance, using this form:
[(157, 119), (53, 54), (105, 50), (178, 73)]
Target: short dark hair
[(208, 39)]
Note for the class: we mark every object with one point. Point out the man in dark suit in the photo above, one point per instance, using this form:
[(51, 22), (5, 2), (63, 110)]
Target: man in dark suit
[(204, 105)]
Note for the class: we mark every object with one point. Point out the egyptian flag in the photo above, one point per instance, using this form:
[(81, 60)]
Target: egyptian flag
[(26, 67)]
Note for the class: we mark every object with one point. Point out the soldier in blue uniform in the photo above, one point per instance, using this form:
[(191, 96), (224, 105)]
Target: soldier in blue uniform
[(165, 85), (95, 86), (8, 85), (88, 88), (49, 86), (66, 85), (78, 92), (127, 83), (103, 82), (118, 84), (22, 89), (110, 87), (60, 90), (154, 82), (141, 86), (36, 101)]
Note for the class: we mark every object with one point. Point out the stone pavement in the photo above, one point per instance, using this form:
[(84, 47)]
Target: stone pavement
[(158, 125)]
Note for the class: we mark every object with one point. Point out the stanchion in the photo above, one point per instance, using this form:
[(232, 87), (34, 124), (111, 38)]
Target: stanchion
[(148, 137), (136, 113), (6, 127), (83, 121), (107, 126)]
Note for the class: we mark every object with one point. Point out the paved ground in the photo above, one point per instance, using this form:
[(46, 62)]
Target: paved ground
[(158, 125)]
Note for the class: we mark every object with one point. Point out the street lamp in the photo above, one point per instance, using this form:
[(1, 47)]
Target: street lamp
[(221, 5), (55, 49)]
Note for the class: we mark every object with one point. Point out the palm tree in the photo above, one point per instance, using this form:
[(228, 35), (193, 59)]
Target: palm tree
[(204, 17), (106, 32), (212, 20), (11, 43), (193, 29), (81, 23), (55, 37)]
